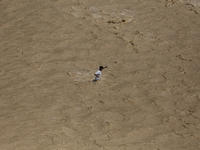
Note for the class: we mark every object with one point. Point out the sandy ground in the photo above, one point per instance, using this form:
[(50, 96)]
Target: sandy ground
[(148, 98)]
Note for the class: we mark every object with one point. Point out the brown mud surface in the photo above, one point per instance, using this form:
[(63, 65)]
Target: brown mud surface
[(148, 98)]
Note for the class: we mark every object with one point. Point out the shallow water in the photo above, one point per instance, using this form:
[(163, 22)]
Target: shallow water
[(147, 99)]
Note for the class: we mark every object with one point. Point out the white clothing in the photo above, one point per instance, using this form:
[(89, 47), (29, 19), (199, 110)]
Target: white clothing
[(98, 73)]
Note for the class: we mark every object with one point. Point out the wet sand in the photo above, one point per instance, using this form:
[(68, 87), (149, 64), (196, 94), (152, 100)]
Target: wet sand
[(148, 98)]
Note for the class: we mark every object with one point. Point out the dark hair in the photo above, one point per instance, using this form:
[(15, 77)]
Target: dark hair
[(101, 67)]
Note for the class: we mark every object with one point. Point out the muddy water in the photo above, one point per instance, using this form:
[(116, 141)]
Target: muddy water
[(148, 98)]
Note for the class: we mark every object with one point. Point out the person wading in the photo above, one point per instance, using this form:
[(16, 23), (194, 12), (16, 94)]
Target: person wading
[(98, 73)]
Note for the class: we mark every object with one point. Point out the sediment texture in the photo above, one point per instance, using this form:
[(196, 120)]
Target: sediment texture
[(148, 98)]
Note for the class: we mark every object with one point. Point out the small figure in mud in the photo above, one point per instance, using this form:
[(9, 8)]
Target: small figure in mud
[(98, 73)]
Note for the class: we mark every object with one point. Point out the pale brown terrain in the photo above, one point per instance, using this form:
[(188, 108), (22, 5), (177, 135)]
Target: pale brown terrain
[(148, 98)]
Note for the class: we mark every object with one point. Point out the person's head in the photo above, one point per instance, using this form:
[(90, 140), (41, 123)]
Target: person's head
[(101, 67)]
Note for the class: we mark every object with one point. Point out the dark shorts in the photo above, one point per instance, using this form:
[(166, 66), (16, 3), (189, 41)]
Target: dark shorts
[(95, 81)]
